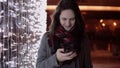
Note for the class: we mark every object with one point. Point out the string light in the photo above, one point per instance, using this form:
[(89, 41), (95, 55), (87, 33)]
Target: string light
[(23, 23)]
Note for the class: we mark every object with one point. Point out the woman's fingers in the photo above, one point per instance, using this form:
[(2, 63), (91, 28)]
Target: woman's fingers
[(65, 56), (71, 56)]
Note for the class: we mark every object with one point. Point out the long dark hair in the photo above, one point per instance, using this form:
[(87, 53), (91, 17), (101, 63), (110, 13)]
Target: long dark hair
[(78, 29), (79, 23)]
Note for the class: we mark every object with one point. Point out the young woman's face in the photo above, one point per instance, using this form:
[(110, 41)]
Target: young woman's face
[(67, 19)]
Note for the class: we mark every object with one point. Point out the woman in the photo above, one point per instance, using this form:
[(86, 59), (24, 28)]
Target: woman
[(65, 45)]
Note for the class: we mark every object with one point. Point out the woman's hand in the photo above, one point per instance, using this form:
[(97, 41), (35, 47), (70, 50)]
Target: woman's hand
[(61, 57)]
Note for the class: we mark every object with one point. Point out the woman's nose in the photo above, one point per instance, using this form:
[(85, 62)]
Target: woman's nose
[(68, 23)]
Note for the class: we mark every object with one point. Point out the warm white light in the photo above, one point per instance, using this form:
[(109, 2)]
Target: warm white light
[(114, 24), (101, 20), (103, 24), (91, 8)]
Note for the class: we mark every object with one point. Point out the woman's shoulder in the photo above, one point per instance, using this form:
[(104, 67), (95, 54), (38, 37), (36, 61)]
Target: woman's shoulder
[(46, 34)]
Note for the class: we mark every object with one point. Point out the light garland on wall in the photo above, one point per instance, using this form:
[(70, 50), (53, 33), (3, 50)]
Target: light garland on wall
[(22, 24)]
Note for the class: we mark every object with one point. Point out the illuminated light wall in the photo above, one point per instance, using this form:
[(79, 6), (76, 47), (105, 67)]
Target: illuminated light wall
[(22, 24)]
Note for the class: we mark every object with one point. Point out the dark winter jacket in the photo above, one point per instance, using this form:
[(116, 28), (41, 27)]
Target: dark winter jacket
[(46, 59)]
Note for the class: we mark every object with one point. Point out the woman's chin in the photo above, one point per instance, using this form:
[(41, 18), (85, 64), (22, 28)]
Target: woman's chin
[(67, 29)]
